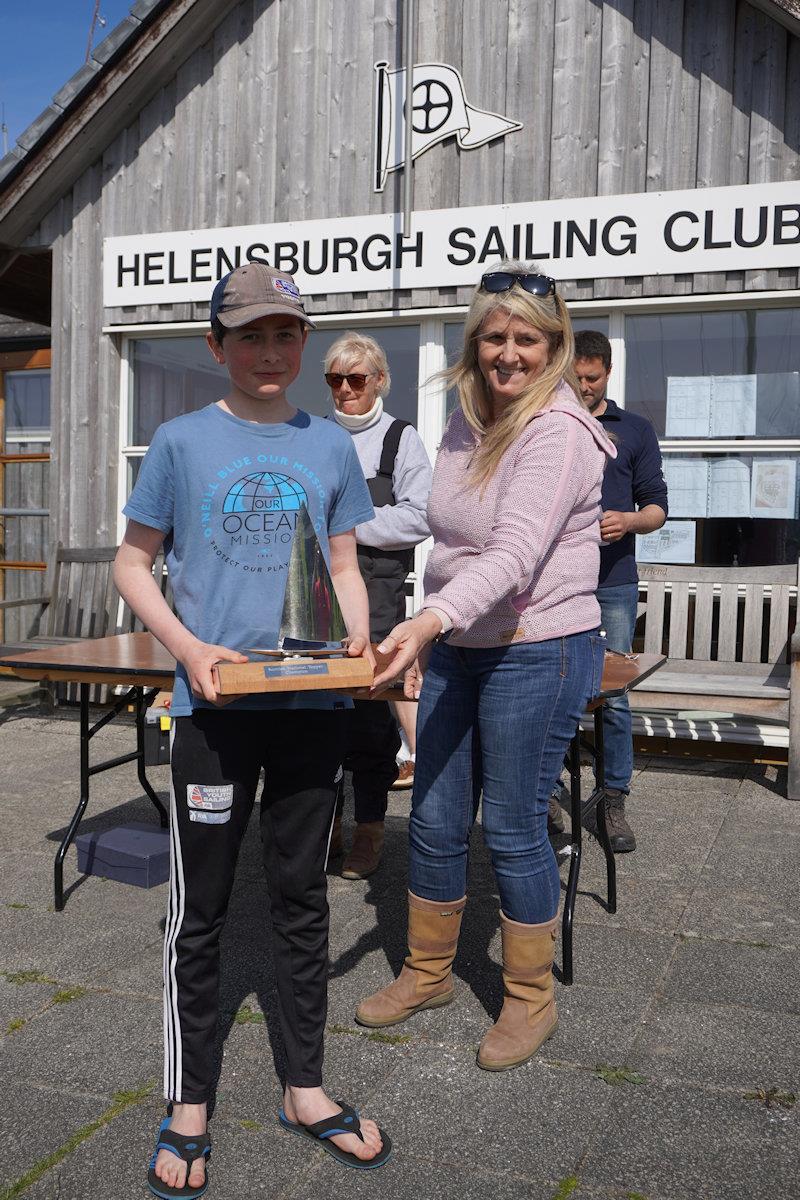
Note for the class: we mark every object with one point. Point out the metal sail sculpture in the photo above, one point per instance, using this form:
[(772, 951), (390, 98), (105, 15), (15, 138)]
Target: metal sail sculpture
[(311, 612)]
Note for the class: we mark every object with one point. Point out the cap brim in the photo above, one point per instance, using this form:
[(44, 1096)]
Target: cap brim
[(236, 317)]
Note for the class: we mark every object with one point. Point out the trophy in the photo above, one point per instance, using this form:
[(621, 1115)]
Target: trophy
[(311, 619)]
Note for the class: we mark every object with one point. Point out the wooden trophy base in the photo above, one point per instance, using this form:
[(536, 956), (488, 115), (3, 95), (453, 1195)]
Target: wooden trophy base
[(304, 671)]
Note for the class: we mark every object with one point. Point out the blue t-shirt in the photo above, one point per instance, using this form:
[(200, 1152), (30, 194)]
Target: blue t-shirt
[(226, 493)]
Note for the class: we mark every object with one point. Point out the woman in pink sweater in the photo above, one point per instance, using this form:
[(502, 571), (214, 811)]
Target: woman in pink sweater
[(510, 605)]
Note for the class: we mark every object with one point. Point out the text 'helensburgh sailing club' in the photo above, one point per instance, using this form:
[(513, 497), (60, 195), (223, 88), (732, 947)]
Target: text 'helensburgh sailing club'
[(709, 229)]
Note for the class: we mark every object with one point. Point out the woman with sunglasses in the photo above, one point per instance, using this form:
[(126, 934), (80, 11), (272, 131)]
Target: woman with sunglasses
[(398, 473), (510, 605)]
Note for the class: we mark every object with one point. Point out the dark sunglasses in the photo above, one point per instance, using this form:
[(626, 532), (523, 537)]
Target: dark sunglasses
[(356, 382), (503, 281)]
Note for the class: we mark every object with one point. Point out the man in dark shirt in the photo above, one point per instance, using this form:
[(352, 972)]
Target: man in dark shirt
[(634, 500)]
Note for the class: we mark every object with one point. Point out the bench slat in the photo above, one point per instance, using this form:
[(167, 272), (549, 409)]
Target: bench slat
[(719, 685), (753, 621), (654, 618), (728, 620), (779, 624), (703, 618), (678, 620)]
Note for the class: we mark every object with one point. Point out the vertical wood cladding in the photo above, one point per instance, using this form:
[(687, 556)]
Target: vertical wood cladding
[(271, 119)]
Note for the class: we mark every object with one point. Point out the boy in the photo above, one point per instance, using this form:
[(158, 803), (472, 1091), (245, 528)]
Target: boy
[(222, 488)]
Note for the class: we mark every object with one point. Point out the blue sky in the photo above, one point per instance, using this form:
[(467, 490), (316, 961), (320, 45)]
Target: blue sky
[(43, 43)]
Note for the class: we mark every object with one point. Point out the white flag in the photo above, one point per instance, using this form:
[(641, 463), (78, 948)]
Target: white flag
[(439, 109)]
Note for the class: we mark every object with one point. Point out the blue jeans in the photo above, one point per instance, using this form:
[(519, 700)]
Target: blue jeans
[(618, 618), (499, 719)]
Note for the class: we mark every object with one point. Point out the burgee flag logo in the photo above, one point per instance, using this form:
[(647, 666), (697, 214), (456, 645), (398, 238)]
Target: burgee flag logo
[(439, 110)]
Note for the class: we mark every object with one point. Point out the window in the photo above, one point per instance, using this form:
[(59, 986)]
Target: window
[(27, 397), (722, 389)]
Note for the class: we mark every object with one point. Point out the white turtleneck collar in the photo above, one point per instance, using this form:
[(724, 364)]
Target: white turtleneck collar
[(356, 422)]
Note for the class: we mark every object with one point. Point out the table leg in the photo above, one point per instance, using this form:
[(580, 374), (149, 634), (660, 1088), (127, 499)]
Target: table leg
[(602, 828), (141, 705), (87, 732), (575, 857), (58, 873)]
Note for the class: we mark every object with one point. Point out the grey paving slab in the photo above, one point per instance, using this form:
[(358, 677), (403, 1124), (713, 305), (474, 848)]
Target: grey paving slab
[(245, 1162), (92, 1044), (682, 1143), (763, 863), (35, 1121), (742, 915), (536, 1121), (70, 951), (722, 1046), (731, 973), (404, 1176), (22, 1000)]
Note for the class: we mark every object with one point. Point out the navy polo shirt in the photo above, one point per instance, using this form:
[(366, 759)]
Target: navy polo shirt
[(631, 480)]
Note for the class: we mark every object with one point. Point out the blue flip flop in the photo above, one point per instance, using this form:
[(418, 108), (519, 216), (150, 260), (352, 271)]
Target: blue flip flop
[(344, 1122), (182, 1146)]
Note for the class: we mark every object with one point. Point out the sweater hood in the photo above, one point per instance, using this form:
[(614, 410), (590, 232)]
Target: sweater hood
[(565, 401)]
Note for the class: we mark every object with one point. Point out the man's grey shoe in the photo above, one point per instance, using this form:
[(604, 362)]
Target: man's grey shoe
[(620, 833), (555, 813)]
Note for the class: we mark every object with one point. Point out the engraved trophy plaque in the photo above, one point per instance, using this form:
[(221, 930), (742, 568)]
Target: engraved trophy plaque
[(309, 655)]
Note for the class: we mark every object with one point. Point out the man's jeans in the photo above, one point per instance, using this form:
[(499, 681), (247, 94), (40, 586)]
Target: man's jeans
[(618, 618), (499, 718)]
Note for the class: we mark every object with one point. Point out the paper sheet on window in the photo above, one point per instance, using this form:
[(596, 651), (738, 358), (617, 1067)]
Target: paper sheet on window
[(672, 543), (687, 486), (733, 405), (688, 406), (728, 488), (773, 488)]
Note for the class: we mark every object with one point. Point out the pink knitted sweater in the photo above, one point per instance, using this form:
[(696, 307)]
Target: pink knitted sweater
[(520, 563)]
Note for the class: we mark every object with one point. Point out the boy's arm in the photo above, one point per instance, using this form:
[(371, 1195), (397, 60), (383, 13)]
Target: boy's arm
[(351, 592), (133, 575)]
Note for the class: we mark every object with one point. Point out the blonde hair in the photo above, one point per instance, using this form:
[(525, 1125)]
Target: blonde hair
[(545, 313), (350, 348)]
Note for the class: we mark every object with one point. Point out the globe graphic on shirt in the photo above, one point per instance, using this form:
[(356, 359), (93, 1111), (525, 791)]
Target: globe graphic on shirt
[(265, 491)]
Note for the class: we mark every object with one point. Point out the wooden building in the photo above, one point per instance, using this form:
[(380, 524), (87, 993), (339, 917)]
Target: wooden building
[(650, 149)]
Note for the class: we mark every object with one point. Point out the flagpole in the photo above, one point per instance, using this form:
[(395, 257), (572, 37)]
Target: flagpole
[(408, 182)]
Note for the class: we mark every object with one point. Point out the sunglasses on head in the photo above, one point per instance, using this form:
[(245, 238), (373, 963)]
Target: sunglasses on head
[(357, 383), (503, 281)]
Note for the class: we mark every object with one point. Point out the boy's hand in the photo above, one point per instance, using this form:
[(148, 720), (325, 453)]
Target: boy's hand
[(360, 647), (199, 661)]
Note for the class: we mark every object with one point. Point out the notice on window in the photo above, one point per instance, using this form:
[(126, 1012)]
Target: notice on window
[(700, 406), (733, 405), (672, 543), (728, 488), (687, 486), (688, 406), (773, 488)]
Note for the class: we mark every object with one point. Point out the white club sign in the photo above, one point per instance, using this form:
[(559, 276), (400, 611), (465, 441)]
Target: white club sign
[(658, 233)]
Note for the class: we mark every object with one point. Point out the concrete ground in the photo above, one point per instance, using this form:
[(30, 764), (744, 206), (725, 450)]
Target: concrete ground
[(673, 1074)]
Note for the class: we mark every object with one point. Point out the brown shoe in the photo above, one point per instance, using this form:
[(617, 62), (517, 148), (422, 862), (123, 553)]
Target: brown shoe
[(405, 776), (529, 1014), (365, 853), (426, 980), (620, 833)]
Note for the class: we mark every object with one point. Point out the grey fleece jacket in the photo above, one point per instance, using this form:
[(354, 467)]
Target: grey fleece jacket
[(403, 524)]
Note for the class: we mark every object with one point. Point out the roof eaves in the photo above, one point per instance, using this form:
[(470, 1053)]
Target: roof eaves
[(78, 85)]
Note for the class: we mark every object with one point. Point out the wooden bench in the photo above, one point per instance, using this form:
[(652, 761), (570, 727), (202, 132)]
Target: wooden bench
[(729, 637), (78, 600)]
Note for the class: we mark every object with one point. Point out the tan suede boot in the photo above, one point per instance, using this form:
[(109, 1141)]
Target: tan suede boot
[(365, 853), (425, 980), (529, 1014)]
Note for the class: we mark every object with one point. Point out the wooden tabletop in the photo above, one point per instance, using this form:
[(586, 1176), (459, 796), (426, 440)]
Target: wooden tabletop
[(138, 659), (133, 658)]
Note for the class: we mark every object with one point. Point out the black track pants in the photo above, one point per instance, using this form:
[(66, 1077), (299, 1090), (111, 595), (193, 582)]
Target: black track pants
[(216, 760)]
